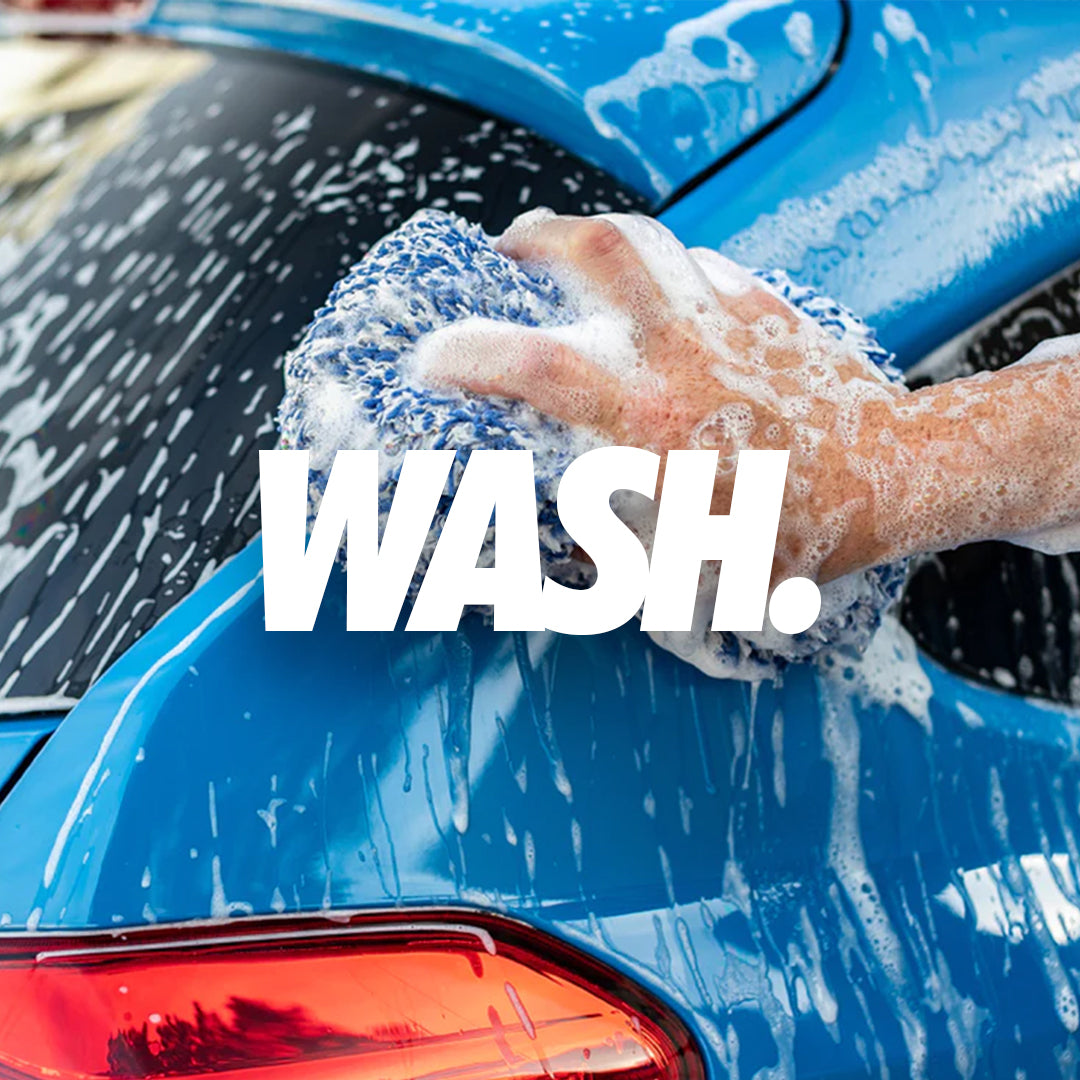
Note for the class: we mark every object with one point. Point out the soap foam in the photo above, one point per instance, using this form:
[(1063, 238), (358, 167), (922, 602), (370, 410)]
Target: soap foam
[(362, 378)]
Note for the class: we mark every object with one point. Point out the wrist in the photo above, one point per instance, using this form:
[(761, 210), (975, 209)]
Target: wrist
[(988, 457)]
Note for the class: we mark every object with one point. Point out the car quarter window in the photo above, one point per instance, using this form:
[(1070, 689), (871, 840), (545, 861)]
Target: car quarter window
[(170, 219), (1002, 614)]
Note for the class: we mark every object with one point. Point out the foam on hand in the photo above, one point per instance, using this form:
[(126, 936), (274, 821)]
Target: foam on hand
[(362, 378)]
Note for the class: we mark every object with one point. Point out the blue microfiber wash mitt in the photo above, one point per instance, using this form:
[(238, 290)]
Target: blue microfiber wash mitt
[(349, 385)]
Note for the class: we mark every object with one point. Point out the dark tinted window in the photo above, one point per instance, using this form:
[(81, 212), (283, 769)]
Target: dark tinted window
[(169, 221), (1003, 614)]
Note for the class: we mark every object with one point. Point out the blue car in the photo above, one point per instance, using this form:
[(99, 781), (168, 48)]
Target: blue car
[(479, 855)]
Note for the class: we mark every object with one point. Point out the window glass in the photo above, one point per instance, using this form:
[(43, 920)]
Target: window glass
[(169, 221)]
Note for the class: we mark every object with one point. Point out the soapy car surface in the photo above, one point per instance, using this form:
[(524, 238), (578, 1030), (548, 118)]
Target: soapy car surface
[(358, 381)]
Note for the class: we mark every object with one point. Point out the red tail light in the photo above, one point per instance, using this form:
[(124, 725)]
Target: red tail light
[(367, 998), (79, 7)]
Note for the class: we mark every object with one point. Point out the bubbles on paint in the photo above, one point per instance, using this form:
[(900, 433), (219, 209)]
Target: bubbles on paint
[(799, 31), (440, 337)]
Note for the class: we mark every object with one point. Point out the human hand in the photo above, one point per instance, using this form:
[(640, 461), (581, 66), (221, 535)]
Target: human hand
[(679, 349)]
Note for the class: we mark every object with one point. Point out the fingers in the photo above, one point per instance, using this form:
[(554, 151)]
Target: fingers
[(673, 297), (635, 265), (596, 249), (726, 277), (523, 364), (739, 292), (641, 267), (758, 303)]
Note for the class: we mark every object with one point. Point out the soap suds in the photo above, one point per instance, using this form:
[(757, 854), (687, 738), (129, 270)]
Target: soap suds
[(679, 65), (359, 379), (799, 31)]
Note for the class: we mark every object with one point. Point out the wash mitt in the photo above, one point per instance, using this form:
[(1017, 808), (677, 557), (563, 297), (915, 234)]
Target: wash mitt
[(351, 383)]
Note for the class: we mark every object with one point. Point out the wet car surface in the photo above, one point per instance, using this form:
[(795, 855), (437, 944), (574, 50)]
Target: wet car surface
[(866, 868)]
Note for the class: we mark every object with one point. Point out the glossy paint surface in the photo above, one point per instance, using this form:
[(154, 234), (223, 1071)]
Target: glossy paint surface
[(878, 863), (18, 739), (653, 92), (934, 178), (849, 872)]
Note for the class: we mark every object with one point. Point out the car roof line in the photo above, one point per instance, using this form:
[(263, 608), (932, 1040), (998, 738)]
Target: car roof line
[(765, 130)]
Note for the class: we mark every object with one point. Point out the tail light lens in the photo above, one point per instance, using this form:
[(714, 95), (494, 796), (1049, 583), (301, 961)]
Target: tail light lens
[(78, 7), (429, 998)]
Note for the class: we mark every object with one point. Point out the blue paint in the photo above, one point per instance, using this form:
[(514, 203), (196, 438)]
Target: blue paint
[(668, 823), (435, 270), (922, 207), (18, 740), (613, 795), (552, 65)]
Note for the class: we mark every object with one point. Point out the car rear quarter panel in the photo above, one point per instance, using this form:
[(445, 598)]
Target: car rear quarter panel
[(850, 871)]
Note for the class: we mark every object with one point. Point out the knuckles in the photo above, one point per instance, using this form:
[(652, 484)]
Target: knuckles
[(598, 240)]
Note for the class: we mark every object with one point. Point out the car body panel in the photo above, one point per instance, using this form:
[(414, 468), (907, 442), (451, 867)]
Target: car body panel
[(878, 862), (934, 178), (653, 93), (855, 870), (19, 740)]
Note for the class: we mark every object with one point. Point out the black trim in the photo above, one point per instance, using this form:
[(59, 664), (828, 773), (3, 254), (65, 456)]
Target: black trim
[(767, 129), (28, 760)]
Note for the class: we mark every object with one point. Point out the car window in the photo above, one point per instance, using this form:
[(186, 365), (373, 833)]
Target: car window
[(1002, 614), (170, 219)]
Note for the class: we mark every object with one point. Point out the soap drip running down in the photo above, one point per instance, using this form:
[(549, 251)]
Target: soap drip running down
[(356, 381)]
